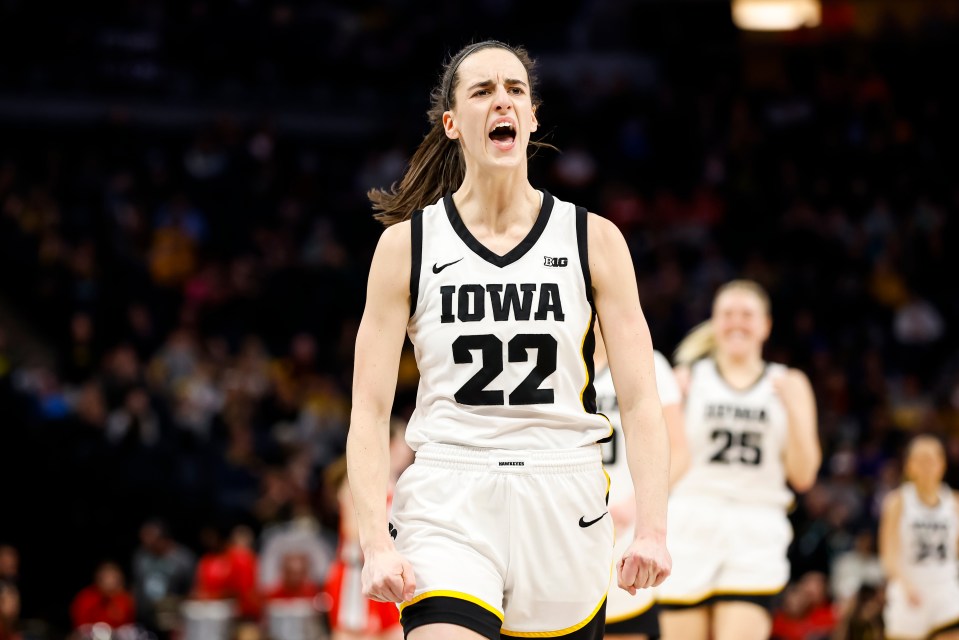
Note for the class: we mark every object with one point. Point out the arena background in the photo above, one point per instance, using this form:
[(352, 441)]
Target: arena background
[(184, 242)]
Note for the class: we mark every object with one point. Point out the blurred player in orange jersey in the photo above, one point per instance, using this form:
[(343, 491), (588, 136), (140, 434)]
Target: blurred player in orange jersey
[(352, 616)]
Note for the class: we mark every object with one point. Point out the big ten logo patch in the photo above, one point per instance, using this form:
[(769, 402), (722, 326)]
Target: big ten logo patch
[(555, 262)]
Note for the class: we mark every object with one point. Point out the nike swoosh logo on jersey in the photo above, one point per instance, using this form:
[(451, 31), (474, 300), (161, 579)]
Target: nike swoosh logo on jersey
[(437, 269), (583, 523)]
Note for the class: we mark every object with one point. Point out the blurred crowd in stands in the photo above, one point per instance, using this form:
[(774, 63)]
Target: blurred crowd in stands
[(175, 361)]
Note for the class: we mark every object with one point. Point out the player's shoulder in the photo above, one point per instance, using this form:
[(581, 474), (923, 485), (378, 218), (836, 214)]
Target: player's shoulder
[(601, 229), (396, 237), (893, 500), (393, 259), (796, 380), (796, 375)]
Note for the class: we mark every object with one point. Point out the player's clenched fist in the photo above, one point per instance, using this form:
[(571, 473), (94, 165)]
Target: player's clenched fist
[(388, 577), (645, 564)]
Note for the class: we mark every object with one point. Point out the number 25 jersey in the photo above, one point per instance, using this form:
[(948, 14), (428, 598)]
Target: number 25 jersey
[(736, 437), (504, 344)]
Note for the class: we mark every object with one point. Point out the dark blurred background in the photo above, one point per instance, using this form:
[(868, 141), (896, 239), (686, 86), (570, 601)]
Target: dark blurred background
[(184, 243)]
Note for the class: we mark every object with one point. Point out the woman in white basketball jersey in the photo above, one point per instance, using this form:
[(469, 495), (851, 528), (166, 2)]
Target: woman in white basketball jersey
[(636, 616), (500, 526), (918, 540), (750, 428)]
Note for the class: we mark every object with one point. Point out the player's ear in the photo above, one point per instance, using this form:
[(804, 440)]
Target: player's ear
[(449, 126)]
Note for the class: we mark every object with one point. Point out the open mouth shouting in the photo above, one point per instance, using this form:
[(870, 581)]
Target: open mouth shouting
[(503, 134)]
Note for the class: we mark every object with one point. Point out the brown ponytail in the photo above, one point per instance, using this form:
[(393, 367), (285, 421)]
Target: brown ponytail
[(437, 165)]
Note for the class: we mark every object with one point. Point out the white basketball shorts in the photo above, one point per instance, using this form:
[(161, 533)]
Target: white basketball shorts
[(724, 550), (517, 543), (938, 610)]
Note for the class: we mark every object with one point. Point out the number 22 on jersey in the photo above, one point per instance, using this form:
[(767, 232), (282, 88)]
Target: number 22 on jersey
[(490, 347)]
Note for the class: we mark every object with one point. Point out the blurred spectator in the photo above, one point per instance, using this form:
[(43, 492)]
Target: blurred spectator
[(106, 600), (810, 548), (918, 323), (134, 424), (227, 571), (9, 564), (862, 619), (301, 537), (244, 566), (162, 576), (856, 568), (81, 352), (806, 613), (6, 362), (9, 611), (911, 407), (295, 581)]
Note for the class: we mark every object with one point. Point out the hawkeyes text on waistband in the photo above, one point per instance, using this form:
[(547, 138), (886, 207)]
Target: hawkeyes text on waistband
[(527, 461)]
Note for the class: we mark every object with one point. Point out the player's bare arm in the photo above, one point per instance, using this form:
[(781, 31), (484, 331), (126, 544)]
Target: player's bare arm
[(955, 497), (803, 454), (889, 541), (646, 562), (379, 343)]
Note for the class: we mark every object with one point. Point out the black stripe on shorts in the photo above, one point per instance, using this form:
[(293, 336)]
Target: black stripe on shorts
[(646, 623), (447, 610), (765, 600)]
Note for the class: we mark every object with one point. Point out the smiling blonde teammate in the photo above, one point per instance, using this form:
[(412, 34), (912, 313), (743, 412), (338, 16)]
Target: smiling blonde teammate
[(750, 429), (634, 617), (499, 527), (918, 540)]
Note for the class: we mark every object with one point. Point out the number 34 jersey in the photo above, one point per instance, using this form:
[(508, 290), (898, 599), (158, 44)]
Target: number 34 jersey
[(504, 344), (928, 535), (736, 437)]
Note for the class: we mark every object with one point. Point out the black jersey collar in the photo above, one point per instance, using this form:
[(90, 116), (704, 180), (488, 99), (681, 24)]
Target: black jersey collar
[(481, 250)]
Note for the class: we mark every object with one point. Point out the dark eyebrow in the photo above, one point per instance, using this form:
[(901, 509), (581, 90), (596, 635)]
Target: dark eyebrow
[(489, 83)]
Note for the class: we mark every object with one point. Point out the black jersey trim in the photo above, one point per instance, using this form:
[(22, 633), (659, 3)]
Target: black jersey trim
[(589, 340), (416, 237), (588, 395), (582, 242), (480, 249)]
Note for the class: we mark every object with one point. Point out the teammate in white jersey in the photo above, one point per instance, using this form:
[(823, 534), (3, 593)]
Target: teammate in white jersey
[(918, 542), (634, 617), (750, 428), (499, 527)]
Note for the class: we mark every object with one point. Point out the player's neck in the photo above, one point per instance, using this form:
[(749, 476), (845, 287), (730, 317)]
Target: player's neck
[(740, 372), (928, 493), (497, 201)]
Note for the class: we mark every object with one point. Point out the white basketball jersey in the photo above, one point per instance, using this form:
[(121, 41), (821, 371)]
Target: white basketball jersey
[(736, 438), (504, 344), (614, 451), (928, 536)]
